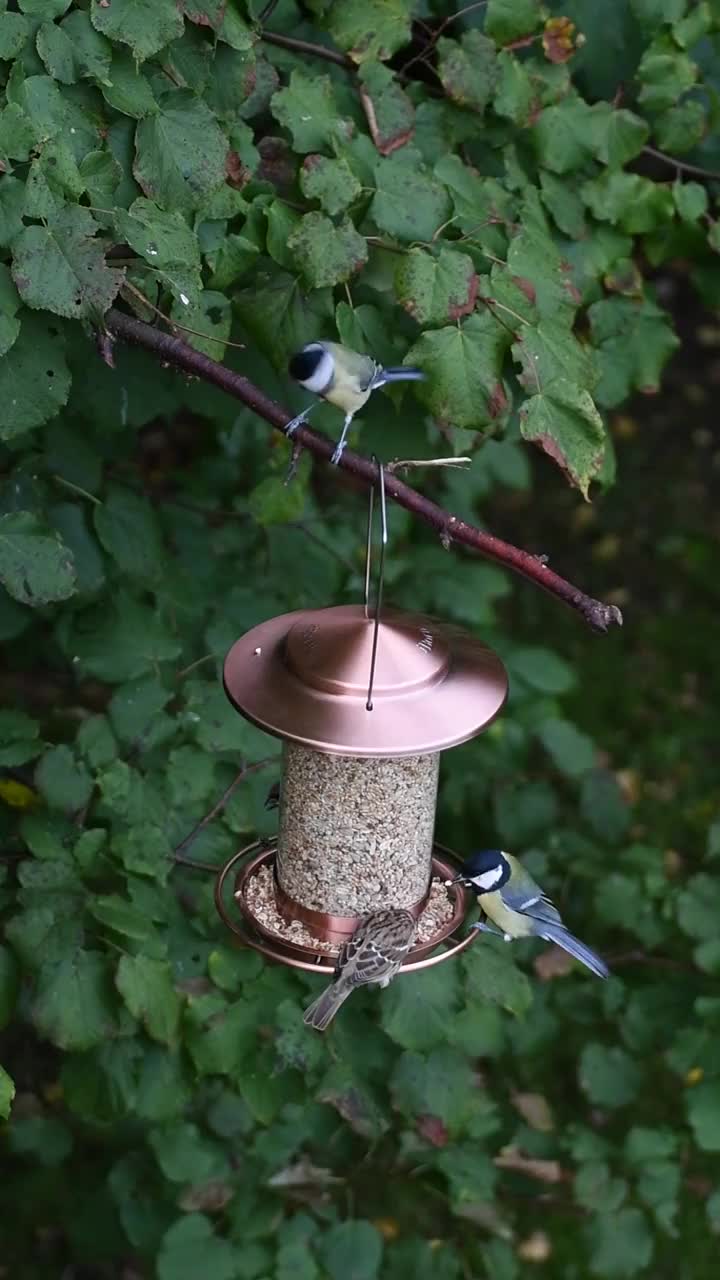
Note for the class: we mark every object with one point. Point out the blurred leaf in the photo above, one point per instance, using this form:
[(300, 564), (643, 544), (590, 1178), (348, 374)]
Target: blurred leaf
[(573, 752), (620, 1243), (147, 988), (352, 1251), (609, 1076), (73, 1005), (190, 1247)]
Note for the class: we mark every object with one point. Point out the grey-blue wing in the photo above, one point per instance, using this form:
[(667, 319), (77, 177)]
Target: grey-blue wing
[(529, 899)]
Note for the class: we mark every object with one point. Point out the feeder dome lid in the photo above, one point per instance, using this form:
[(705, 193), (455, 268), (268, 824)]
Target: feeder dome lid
[(304, 676)]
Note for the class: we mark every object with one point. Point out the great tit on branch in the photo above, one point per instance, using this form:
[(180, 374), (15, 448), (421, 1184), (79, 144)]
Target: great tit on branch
[(343, 378), (510, 897), (371, 957)]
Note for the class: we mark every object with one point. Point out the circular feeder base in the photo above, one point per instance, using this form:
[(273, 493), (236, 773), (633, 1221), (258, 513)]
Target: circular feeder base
[(243, 921)]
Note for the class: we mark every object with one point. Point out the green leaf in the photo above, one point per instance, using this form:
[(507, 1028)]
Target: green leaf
[(596, 1190), (120, 640), (562, 135), (274, 502), (145, 25), (390, 112), (185, 1155), (464, 386), (352, 1251), (680, 128), (468, 70), (572, 751), (433, 289), (146, 986), (620, 1244), (408, 203), (7, 1093), (440, 1084), (697, 906), (665, 74), (9, 307), (609, 1076), (566, 425), (633, 341), (418, 1014), (73, 1005), (34, 378), (35, 567), (76, 49), (549, 352), (14, 31), (63, 781), (619, 135), (331, 182), (374, 29), (61, 267), (180, 153), (190, 1248), (691, 200), (128, 90), (603, 805), (702, 1102), (508, 20), (308, 110), (541, 669), (162, 239), (633, 203), (128, 529), (493, 975), (326, 254)]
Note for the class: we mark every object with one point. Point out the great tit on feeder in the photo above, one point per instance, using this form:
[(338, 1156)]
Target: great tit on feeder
[(371, 957), (344, 378), (511, 898)]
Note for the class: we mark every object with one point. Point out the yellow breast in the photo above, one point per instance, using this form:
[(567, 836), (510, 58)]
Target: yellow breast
[(509, 921)]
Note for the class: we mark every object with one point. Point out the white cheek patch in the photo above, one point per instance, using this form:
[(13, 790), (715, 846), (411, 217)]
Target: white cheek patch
[(322, 377), (488, 878)]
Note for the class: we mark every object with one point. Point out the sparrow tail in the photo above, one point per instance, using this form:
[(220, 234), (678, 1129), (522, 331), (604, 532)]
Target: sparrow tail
[(321, 1012), (563, 938)]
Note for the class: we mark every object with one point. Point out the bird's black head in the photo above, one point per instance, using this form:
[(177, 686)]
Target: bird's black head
[(306, 362), (485, 871)]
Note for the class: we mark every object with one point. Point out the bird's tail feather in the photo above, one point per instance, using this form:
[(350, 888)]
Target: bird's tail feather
[(321, 1012), (404, 374), (563, 938)]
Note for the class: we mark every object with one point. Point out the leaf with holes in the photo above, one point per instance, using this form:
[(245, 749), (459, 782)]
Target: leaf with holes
[(408, 203), (549, 351), (331, 182), (34, 378), (326, 254), (373, 29), (464, 386), (633, 341), (389, 111), (468, 70), (436, 288), (35, 566), (145, 25), (61, 267), (564, 422), (180, 153)]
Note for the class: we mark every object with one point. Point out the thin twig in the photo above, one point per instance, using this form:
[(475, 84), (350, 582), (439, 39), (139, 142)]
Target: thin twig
[(312, 50), (218, 808), (683, 165), (400, 464), (174, 351)]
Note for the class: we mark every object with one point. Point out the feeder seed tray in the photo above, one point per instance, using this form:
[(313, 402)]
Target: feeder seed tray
[(253, 933)]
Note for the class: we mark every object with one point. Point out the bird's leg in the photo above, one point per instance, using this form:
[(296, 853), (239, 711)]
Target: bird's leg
[(487, 928), (294, 423), (341, 442)]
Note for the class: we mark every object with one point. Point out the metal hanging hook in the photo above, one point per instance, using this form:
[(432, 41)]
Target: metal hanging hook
[(381, 572)]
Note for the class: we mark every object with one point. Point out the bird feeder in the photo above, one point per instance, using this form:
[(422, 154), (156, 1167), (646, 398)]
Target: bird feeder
[(364, 702)]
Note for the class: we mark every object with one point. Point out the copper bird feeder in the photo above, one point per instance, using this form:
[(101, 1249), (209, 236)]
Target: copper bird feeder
[(364, 702)]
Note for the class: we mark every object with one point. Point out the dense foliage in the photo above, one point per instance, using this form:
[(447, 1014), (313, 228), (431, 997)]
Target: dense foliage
[(486, 194)]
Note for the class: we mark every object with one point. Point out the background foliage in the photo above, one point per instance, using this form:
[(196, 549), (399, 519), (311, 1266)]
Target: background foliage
[(490, 194)]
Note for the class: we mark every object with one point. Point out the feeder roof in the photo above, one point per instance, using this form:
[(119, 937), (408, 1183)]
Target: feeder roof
[(304, 677)]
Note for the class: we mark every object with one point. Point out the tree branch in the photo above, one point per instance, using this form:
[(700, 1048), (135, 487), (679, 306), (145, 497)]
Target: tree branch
[(174, 351), (179, 850), (305, 47)]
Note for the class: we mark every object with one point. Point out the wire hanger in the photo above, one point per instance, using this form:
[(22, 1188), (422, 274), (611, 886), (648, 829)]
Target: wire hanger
[(381, 573)]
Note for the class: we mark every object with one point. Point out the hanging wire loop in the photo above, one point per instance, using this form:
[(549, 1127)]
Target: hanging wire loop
[(381, 571)]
